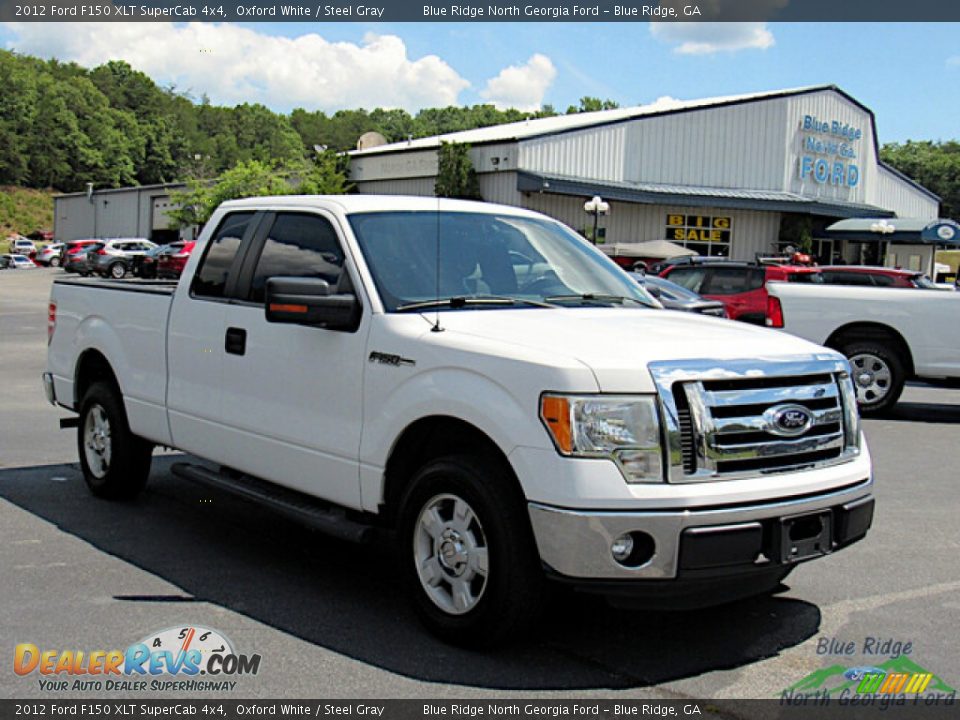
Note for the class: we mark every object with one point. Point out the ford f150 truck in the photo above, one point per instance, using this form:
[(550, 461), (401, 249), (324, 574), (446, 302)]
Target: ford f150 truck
[(889, 336), (480, 381)]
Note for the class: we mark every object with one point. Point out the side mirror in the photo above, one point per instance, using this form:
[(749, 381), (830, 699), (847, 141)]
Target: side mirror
[(308, 301)]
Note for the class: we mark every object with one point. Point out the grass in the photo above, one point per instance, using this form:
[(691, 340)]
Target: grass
[(23, 210)]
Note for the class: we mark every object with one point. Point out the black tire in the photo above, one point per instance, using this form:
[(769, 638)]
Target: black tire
[(117, 270), (54, 262), (878, 375), (510, 594), (121, 472)]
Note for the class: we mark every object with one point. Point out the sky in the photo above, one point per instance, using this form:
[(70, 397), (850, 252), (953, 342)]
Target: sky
[(907, 73)]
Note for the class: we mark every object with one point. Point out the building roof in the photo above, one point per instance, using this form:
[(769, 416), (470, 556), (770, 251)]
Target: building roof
[(695, 196), (564, 123), (905, 230)]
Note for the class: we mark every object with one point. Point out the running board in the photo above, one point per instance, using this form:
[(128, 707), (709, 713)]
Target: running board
[(298, 506)]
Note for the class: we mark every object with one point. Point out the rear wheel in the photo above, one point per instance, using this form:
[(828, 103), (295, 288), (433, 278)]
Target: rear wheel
[(54, 262), (878, 375), (468, 554), (114, 461), (118, 270)]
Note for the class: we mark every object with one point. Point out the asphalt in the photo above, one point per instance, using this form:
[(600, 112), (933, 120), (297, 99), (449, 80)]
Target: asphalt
[(327, 617)]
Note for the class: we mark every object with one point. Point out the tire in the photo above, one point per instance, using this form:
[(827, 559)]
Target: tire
[(117, 270), (54, 262), (114, 461), (468, 556), (878, 375)]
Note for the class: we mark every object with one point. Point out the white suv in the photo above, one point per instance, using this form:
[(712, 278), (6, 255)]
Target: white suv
[(21, 246)]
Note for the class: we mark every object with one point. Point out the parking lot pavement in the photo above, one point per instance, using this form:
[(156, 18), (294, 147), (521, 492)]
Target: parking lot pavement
[(325, 617)]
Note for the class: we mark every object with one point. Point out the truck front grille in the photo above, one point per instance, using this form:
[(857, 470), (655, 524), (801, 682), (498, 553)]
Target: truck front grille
[(769, 418)]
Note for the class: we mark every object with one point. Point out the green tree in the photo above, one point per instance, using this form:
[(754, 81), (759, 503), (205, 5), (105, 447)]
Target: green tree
[(456, 176), (592, 104), (935, 165)]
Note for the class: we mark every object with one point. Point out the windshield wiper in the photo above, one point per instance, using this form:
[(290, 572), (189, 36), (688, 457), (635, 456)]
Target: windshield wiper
[(464, 301), (597, 298)]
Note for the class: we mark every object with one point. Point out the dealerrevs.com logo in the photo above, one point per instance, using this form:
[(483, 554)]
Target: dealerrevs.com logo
[(184, 658)]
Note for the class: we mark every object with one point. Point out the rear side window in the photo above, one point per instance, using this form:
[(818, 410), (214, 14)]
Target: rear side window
[(728, 281), (211, 278), (689, 277), (833, 277), (298, 246)]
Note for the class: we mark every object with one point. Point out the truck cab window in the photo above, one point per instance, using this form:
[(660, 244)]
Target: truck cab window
[(211, 277), (298, 245)]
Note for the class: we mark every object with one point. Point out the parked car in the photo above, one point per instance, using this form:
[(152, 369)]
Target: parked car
[(171, 265), (677, 297), (81, 261), (21, 246), (740, 286), (73, 247), (51, 255), (5, 262), (563, 428), (19, 262), (115, 257), (145, 266), (875, 276)]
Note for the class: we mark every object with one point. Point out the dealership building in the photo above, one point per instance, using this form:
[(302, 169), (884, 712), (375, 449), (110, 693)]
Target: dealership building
[(732, 176), (723, 176)]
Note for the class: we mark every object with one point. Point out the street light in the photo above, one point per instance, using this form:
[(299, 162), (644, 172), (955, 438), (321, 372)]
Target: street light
[(596, 206)]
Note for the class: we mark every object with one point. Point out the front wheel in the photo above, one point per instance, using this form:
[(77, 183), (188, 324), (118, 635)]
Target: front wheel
[(878, 375), (468, 554), (114, 461)]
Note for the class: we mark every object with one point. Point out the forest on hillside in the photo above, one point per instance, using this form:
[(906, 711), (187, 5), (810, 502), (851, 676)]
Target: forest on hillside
[(63, 125)]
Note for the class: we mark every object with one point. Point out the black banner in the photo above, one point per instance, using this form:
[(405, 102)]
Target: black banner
[(483, 11), (792, 706)]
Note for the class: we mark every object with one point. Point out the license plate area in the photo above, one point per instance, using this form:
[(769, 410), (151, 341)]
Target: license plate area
[(805, 536)]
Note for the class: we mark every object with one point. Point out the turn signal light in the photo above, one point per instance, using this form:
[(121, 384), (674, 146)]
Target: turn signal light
[(555, 412)]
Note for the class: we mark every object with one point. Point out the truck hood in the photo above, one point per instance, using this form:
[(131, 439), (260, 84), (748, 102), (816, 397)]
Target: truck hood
[(615, 342)]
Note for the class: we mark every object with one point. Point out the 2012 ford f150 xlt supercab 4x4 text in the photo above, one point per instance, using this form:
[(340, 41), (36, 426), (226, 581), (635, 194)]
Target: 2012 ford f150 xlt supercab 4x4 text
[(481, 381)]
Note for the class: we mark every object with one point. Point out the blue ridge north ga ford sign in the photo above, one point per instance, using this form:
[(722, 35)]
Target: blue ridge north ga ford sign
[(828, 151)]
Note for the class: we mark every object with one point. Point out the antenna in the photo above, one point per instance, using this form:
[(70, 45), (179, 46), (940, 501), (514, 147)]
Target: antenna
[(436, 325)]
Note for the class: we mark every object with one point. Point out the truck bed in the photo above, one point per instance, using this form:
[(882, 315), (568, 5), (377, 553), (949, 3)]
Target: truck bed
[(125, 321)]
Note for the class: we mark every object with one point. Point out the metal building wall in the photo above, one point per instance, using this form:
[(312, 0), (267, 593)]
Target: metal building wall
[(892, 192), (730, 147), (73, 218), (752, 231)]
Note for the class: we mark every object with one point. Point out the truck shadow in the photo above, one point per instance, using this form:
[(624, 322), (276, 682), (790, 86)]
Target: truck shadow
[(942, 414), (344, 598)]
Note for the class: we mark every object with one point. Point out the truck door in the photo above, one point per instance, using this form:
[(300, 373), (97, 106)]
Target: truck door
[(292, 395), (195, 345)]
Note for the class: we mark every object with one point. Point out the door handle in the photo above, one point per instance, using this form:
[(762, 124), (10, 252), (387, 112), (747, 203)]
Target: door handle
[(235, 341)]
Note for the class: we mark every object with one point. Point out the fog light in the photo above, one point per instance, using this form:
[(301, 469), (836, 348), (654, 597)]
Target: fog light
[(621, 548)]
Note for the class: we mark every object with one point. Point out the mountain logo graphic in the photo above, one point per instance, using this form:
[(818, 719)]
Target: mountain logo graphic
[(899, 675)]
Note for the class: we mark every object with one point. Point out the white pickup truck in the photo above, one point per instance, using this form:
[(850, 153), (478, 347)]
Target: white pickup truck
[(890, 335), (480, 381)]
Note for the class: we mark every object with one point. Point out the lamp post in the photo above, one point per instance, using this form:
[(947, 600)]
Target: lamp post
[(596, 206)]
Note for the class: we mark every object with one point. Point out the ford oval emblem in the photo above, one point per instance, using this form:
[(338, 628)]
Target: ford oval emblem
[(788, 420)]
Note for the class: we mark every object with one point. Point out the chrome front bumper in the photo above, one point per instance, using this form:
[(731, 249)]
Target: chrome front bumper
[(577, 544)]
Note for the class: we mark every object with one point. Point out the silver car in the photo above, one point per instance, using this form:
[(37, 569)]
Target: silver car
[(51, 255), (115, 258)]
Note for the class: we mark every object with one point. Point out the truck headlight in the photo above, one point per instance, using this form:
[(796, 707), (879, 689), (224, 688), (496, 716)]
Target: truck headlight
[(622, 428)]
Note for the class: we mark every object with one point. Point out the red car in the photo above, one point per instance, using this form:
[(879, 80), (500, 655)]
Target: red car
[(171, 265), (875, 276), (741, 287)]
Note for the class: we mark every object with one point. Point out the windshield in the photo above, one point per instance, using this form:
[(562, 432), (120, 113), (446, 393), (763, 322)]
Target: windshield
[(480, 255)]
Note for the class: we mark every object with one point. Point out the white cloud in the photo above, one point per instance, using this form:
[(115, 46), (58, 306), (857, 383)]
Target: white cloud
[(702, 38), (521, 86), (233, 64), (953, 61)]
